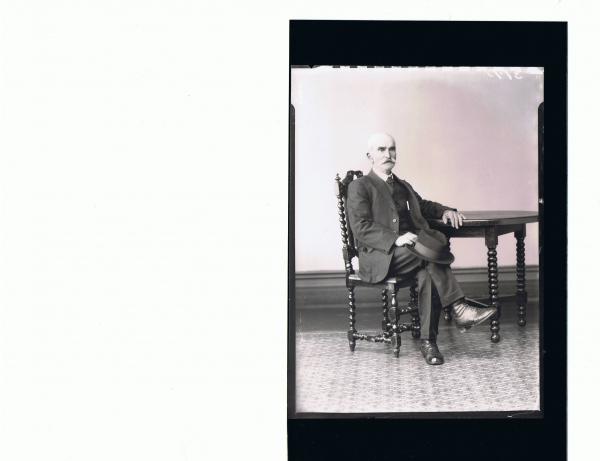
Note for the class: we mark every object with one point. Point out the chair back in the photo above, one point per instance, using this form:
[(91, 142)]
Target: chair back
[(348, 245)]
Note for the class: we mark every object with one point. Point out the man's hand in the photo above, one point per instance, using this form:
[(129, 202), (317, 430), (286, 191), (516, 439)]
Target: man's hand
[(406, 239), (454, 218)]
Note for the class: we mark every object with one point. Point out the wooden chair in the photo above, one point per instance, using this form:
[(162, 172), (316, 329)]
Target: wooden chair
[(391, 329)]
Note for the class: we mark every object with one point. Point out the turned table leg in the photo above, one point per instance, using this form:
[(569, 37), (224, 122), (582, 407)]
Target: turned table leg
[(491, 241), (521, 292), (448, 309)]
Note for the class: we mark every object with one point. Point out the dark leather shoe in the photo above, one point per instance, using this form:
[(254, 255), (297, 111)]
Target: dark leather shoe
[(430, 351), (466, 316)]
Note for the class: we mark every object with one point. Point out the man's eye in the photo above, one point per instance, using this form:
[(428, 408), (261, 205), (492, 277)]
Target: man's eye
[(381, 149)]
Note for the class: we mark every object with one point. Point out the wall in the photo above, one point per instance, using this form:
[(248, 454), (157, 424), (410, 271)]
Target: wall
[(465, 137)]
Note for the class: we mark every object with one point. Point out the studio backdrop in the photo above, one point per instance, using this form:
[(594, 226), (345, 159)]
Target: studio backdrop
[(466, 137)]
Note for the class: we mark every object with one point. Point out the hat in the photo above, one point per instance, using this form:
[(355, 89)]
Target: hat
[(432, 245)]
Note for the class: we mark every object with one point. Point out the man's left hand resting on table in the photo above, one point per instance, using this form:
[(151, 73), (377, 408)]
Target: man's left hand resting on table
[(454, 218)]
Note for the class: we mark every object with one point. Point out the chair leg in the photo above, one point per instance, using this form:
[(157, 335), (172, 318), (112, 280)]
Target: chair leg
[(448, 314), (385, 322), (396, 343), (396, 340), (414, 303), (352, 319)]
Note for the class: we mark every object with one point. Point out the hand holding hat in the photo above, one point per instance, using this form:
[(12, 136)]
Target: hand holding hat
[(406, 239)]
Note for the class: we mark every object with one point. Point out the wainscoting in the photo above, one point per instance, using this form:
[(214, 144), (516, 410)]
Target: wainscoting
[(326, 289)]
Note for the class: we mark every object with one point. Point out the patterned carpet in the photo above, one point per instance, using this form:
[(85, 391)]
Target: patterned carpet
[(477, 376)]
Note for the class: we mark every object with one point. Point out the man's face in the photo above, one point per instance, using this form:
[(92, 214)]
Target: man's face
[(382, 153)]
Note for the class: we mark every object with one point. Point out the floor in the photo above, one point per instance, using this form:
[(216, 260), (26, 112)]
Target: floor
[(477, 376)]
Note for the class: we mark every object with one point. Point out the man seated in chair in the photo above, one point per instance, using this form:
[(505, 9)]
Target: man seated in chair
[(385, 216)]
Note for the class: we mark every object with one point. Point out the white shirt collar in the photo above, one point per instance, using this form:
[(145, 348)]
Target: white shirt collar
[(383, 176)]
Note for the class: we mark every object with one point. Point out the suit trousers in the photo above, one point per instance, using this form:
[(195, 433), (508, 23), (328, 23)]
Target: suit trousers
[(430, 276)]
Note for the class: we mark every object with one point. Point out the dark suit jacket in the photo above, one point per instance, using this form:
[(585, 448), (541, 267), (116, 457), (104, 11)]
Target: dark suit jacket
[(374, 221)]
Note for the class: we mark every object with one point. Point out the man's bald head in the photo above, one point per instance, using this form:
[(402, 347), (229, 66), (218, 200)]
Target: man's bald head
[(377, 139), (382, 152)]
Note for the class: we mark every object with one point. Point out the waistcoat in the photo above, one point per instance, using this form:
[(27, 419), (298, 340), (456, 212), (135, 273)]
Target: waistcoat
[(401, 196)]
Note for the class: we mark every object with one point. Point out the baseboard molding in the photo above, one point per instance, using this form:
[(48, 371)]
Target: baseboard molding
[(327, 289)]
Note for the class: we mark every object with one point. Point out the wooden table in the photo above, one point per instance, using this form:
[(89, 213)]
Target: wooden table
[(489, 225)]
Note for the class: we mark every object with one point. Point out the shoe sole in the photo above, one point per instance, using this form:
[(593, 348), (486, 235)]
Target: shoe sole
[(441, 361), (464, 328)]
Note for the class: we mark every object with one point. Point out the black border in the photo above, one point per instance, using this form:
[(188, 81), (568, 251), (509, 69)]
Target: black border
[(441, 43)]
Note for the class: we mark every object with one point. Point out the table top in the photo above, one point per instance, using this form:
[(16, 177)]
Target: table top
[(479, 218)]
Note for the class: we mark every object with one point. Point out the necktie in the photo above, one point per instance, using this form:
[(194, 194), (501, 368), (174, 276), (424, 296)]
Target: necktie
[(390, 180)]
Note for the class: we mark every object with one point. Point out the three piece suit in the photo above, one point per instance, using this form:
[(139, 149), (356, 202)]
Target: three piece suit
[(378, 213)]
